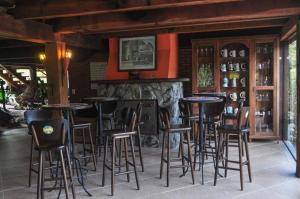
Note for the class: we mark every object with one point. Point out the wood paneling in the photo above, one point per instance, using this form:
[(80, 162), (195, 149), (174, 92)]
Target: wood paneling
[(298, 101), (174, 17), (36, 9), (26, 30)]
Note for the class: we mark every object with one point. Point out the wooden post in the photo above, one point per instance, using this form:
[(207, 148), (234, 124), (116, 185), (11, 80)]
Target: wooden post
[(57, 87), (298, 99)]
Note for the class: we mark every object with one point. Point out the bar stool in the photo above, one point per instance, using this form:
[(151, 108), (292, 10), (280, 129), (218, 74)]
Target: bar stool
[(108, 112), (241, 131), (123, 136), (168, 129), (84, 130), (139, 122), (30, 116), (50, 135), (188, 118)]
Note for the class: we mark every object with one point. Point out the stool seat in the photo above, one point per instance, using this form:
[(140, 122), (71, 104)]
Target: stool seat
[(49, 147), (84, 125), (191, 117), (177, 127), (232, 129)]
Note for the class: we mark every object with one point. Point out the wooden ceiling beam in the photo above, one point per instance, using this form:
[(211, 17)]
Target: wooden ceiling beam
[(82, 41), (37, 9), (289, 29), (176, 17), (271, 23), (25, 30)]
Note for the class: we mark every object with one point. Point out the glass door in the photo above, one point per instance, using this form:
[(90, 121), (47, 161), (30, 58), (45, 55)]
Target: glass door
[(290, 96), (265, 108)]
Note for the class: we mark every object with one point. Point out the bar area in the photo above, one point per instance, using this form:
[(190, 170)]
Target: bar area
[(149, 99)]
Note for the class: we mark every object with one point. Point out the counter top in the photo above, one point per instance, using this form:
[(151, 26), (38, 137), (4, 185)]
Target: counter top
[(141, 81)]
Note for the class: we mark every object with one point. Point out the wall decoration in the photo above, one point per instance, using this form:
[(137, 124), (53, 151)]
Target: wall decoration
[(137, 53)]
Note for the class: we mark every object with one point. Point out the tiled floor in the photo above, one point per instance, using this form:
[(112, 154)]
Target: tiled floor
[(272, 166)]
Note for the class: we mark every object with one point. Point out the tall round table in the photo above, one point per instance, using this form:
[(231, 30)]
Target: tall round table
[(98, 102), (201, 101), (67, 109)]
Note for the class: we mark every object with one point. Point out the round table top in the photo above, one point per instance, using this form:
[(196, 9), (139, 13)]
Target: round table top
[(202, 99), (100, 99), (211, 94), (67, 106)]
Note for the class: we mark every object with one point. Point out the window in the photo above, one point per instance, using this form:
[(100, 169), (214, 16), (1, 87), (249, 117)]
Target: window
[(290, 96)]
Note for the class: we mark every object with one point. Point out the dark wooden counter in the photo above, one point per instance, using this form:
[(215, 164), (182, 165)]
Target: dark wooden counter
[(141, 81)]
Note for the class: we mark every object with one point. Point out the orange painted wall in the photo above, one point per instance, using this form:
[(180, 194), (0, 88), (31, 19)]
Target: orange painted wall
[(166, 55)]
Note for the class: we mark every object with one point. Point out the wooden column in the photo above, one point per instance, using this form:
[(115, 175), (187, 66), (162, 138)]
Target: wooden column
[(57, 86), (298, 99)]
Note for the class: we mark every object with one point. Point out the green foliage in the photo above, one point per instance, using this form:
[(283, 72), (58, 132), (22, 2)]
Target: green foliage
[(205, 77)]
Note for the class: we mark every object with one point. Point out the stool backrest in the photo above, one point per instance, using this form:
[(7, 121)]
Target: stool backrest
[(90, 112), (139, 110), (164, 116), (214, 109), (243, 119), (184, 108), (127, 114), (48, 132), (109, 107), (36, 115)]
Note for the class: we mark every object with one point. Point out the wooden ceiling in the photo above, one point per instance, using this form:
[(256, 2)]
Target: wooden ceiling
[(127, 17), (75, 21)]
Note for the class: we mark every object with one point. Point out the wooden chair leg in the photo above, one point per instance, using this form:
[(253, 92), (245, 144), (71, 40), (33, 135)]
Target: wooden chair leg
[(30, 162), (92, 149), (190, 156), (70, 172), (113, 166), (64, 173), (39, 191), (240, 160), (104, 161), (226, 153), (247, 156), (126, 157), (133, 162), (140, 147), (168, 159), (182, 153), (162, 156), (217, 158)]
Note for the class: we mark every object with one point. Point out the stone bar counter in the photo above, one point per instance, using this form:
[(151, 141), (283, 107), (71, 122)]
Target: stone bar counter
[(167, 92)]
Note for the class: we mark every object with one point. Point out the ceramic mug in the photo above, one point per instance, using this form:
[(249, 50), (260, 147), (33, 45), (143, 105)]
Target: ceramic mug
[(229, 109), (234, 82), (230, 66), (233, 96), (224, 52), (223, 67), (243, 66), (225, 82), (236, 110), (242, 53), (232, 53), (243, 81), (237, 67), (243, 95)]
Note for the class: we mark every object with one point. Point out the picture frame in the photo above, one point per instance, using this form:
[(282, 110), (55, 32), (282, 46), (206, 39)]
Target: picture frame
[(137, 53)]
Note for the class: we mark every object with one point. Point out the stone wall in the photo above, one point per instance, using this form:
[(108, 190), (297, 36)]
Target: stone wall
[(166, 93)]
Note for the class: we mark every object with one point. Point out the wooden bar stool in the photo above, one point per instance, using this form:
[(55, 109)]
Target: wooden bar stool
[(50, 135), (239, 131), (183, 130), (30, 116), (123, 136), (83, 129)]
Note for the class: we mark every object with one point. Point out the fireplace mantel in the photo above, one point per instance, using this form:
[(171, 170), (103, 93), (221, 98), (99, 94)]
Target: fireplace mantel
[(140, 81)]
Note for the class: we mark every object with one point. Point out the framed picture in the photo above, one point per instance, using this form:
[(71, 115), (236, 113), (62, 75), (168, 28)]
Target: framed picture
[(137, 53)]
